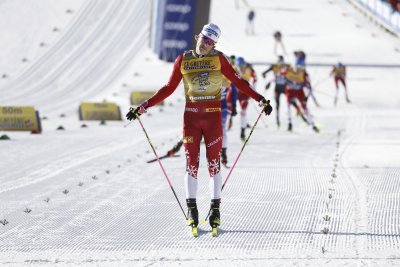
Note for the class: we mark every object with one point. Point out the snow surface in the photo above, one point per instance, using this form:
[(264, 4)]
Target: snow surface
[(120, 211)]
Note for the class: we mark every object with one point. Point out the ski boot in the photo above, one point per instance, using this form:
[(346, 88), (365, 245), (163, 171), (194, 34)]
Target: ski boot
[(290, 127), (242, 134), (315, 128), (224, 157), (192, 215), (215, 219)]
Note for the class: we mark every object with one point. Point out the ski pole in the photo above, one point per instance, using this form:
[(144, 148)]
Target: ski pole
[(236, 160), (255, 107), (162, 167)]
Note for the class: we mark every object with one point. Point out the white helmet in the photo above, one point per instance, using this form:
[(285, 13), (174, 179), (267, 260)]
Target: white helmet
[(211, 31)]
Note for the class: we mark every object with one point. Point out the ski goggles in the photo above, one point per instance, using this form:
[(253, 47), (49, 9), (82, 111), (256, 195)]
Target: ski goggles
[(207, 41)]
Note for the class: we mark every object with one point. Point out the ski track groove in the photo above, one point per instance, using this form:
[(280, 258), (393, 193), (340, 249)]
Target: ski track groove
[(21, 82), (52, 71), (71, 29), (18, 215), (132, 49)]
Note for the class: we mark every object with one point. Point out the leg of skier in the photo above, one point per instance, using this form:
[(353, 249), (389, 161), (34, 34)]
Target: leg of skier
[(243, 119), (277, 96), (289, 112), (224, 157), (213, 140), (191, 140), (305, 114), (345, 90), (337, 91)]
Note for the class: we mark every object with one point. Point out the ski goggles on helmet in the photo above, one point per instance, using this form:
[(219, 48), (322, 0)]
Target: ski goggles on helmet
[(207, 41)]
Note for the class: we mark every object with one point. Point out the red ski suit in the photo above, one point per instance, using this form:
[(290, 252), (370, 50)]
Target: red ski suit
[(202, 76)]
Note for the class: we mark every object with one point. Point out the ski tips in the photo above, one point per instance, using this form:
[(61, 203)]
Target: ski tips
[(214, 232), (195, 232)]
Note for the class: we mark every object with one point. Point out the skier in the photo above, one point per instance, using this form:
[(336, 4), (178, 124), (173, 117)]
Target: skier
[(232, 96), (171, 152), (278, 41), (228, 106), (202, 71), (300, 60), (175, 148), (339, 75), (278, 69), (250, 23), (248, 74), (296, 80)]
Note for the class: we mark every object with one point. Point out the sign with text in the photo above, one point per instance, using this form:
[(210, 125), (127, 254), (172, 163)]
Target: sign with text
[(99, 112), (173, 27), (138, 97), (19, 118)]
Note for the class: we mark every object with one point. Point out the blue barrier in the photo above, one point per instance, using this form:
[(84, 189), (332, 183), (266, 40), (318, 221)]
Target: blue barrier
[(172, 28)]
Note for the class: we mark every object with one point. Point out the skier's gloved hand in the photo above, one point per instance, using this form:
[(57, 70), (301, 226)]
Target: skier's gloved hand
[(133, 114), (267, 86), (267, 108)]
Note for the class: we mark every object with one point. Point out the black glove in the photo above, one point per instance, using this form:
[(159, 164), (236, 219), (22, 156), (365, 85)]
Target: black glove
[(135, 113), (267, 86), (234, 111), (267, 108)]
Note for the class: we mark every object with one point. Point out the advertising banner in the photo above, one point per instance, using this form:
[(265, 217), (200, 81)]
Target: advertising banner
[(19, 118), (99, 112), (173, 22)]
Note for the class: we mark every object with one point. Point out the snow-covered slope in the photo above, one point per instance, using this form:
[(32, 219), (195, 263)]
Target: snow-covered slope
[(95, 201)]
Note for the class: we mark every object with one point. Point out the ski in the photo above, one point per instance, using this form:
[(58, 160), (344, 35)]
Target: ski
[(162, 157)]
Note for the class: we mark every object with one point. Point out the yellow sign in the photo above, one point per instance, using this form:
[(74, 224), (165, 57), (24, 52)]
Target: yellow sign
[(99, 112), (138, 97), (19, 118)]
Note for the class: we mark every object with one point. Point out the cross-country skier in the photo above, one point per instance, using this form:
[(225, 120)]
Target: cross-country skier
[(278, 41), (339, 75), (250, 23), (279, 70), (297, 79), (247, 73), (300, 60), (232, 96), (202, 71), (228, 106)]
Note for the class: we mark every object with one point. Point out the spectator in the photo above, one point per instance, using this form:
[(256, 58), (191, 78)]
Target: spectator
[(278, 41), (250, 23)]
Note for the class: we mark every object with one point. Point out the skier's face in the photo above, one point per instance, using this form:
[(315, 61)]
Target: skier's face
[(204, 45)]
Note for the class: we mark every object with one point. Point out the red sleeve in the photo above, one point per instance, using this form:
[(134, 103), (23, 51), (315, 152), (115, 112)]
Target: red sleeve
[(170, 87), (240, 83)]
